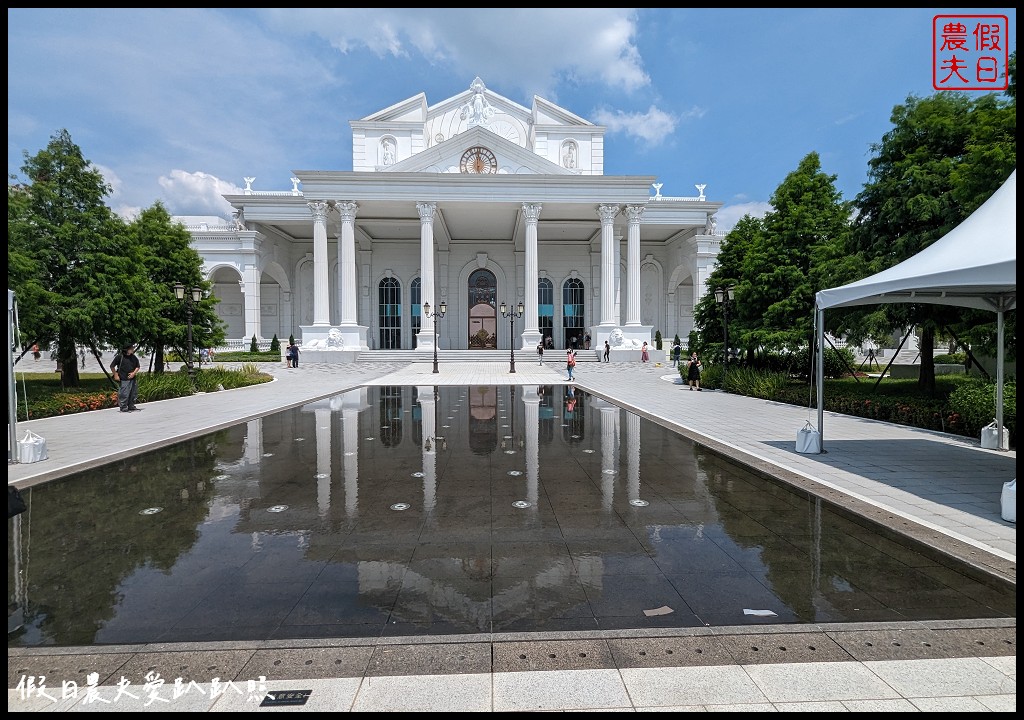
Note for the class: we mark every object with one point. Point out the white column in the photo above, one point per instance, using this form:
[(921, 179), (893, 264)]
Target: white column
[(425, 339), (251, 302), (607, 214), (609, 456), (322, 417), (428, 421), (350, 453), (347, 281), (531, 327), (531, 401), (254, 442), (634, 213), (321, 282), (633, 455)]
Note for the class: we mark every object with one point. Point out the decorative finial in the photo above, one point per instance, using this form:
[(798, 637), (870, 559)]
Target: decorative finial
[(248, 184), (700, 189), (657, 190)]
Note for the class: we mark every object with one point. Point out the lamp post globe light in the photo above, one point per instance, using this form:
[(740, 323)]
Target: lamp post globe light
[(511, 314), (439, 313), (724, 296), (190, 299)]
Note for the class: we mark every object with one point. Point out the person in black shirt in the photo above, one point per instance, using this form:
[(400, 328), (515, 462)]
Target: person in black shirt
[(125, 368)]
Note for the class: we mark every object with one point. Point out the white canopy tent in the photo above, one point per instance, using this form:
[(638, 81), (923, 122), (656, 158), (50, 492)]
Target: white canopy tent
[(974, 265)]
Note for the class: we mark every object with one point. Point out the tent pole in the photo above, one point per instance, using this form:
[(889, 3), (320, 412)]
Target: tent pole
[(819, 372), (12, 386), (999, 374)]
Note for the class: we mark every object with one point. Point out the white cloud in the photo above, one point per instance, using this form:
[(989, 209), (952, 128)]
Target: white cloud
[(197, 193), (527, 49), (729, 215), (652, 126)]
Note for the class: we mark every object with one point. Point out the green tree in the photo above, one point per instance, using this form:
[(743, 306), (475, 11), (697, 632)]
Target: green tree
[(709, 338), (944, 156), (808, 218), (168, 257), (80, 282)]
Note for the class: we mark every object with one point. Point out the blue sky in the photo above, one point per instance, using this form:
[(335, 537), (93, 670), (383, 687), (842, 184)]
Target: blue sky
[(179, 105)]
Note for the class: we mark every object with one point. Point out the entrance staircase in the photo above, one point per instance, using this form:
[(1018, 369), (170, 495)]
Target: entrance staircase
[(553, 357)]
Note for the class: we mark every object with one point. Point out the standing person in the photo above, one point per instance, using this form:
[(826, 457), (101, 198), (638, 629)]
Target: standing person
[(586, 341), (125, 367), (288, 356), (295, 354), (644, 355), (35, 352), (570, 363), (677, 351), (540, 353), (693, 369), (81, 354), (607, 351)]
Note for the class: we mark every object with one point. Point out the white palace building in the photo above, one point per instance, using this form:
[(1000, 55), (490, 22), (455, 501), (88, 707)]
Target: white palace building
[(468, 205)]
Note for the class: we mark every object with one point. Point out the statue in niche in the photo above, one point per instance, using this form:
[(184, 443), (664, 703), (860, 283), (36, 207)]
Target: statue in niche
[(477, 111), (388, 146), (569, 156)]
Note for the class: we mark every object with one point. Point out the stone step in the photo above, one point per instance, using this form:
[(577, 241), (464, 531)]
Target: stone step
[(550, 356)]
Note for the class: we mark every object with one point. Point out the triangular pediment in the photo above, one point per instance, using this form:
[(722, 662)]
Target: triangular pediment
[(446, 157), (547, 113), (412, 110)]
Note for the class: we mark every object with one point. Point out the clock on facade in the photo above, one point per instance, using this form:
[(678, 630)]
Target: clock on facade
[(478, 160)]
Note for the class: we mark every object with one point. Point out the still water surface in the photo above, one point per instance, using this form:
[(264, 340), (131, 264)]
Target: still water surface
[(395, 511)]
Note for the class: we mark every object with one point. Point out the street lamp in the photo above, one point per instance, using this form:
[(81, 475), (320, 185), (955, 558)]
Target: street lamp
[(724, 297), (193, 298), (506, 311), (436, 314)]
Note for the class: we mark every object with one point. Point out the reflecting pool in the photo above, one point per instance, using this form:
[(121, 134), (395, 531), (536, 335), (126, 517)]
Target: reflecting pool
[(396, 511)]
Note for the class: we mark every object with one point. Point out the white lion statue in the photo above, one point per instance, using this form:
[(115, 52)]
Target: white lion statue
[(619, 341), (334, 341)]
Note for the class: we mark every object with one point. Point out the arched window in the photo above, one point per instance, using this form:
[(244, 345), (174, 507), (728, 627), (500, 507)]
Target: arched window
[(416, 304), (546, 310), (389, 313), (573, 313)]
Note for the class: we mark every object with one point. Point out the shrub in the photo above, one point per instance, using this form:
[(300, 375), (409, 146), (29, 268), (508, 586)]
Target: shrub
[(974, 402), (254, 346), (657, 339), (275, 344), (291, 339), (837, 362)]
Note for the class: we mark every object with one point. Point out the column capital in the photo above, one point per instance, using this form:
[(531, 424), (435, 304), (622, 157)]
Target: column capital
[(607, 213), (347, 209), (635, 212), (531, 211), (319, 209), (426, 210)]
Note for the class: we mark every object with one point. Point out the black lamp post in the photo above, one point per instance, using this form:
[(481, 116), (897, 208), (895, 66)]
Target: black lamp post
[(190, 300), (506, 311), (724, 297), (436, 314)]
